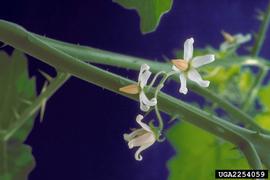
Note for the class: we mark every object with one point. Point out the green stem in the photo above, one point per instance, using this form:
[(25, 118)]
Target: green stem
[(235, 112), (94, 55), (253, 91), (154, 79), (104, 57), (158, 89), (21, 39), (252, 156), (262, 32), (35, 106), (159, 117)]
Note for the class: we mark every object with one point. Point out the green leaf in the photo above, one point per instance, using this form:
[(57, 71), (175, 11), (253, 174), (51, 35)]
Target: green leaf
[(245, 81), (150, 11), (264, 97), (199, 153), (263, 119), (16, 92)]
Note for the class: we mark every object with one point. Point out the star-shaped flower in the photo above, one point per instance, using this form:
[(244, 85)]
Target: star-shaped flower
[(142, 138), (187, 67), (138, 88)]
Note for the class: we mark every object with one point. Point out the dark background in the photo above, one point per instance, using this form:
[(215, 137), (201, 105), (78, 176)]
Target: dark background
[(81, 136)]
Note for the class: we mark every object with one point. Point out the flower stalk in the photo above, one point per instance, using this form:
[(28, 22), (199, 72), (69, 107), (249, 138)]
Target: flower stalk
[(158, 89)]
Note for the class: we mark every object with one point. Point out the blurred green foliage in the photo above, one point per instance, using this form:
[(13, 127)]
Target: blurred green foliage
[(263, 118), (16, 93), (198, 154)]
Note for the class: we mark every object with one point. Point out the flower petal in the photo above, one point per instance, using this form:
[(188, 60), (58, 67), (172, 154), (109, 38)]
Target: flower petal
[(144, 78), (193, 75), (188, 49), (130, 136), (228, 37), (202, 60), (144, 107), (240, 38), (142, 140), (225, 45), (145, 103), (138, 155), (142, 124), (237, 40), (183, 87), (144, 74)]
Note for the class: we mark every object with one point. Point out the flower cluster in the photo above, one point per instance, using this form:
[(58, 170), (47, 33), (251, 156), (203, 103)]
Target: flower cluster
[(186, 68)]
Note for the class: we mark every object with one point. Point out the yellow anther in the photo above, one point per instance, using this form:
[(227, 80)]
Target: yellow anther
[(130, 89)]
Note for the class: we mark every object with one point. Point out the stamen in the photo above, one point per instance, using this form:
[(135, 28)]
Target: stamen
[(180, 64), (130, 89), (228, 37)]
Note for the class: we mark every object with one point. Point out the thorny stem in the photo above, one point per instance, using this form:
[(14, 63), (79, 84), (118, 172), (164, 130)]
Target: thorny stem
[(34, 107), (253, 91), (93, 55), (232, 110), (262, 32), (21, 39)]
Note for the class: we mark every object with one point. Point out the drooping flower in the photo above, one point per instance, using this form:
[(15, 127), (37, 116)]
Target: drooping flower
[(138, 88), (142, 138), (187, 67), (233, 40)]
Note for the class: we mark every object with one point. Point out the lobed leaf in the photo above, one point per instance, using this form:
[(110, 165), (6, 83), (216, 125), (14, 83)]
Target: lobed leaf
[(16, 92)]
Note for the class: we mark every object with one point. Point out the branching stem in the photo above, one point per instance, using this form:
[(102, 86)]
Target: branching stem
[(93, 55), (21, 39), (34, 107)]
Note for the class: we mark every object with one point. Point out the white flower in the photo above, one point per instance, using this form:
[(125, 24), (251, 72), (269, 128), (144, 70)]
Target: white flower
[(142, 138), (138, 88), (233, 40), (187, 66)]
